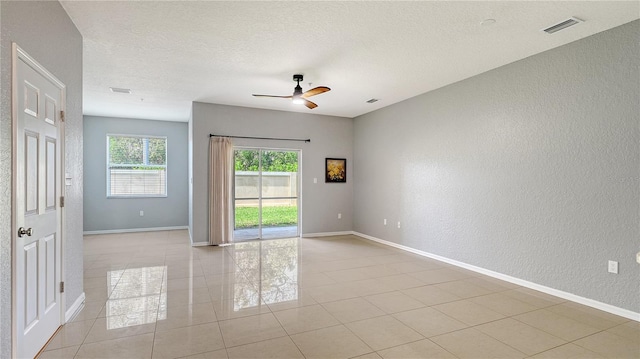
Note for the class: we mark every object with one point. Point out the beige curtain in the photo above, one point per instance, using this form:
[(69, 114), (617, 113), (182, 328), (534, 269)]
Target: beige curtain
[(220, 187)]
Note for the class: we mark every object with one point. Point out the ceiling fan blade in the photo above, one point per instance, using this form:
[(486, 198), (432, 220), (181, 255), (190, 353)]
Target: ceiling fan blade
[(315, 91), (272, 96), (309, 104)]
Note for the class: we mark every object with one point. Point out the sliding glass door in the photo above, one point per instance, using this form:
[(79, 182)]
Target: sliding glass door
[(266, 193)]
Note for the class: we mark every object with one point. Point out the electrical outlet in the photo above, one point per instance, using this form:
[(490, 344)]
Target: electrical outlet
[(339, 215), (141, 213), (385, 223), (613, 267), (398, 224), (315, 180)]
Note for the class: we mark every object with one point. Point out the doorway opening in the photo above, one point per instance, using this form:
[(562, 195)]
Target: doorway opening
[(266, 193)]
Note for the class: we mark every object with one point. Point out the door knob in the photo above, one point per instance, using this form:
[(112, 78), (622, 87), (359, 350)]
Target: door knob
[(22, 231)]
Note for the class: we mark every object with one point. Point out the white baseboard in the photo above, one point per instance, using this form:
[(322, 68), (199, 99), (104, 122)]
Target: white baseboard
[(131, 230), (75, 308), (327, 234), (555, 292), (199, 244)]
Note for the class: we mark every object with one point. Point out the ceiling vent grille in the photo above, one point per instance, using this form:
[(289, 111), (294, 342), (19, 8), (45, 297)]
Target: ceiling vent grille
[(562, 25), (119, 90), (372, 100)]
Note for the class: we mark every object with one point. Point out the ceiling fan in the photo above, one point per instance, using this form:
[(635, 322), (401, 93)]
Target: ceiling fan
[(299, 97)]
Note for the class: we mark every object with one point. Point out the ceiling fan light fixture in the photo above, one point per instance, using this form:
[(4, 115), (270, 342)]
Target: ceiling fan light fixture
[(297, 95)]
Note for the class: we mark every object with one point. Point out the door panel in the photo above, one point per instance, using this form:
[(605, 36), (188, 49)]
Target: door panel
[(50, 107), (51, 174), (30, 269), (279, 193), (38, 163), (50, 246), (31, 97), (247, 196), (31, 166)]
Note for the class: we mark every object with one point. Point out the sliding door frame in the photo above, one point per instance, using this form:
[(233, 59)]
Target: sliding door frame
[(260, 196)]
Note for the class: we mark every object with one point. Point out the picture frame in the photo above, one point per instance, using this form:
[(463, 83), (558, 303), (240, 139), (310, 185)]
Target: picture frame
[(335, 170)]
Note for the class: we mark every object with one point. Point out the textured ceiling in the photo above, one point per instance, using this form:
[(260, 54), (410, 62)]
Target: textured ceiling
[(172, 53)]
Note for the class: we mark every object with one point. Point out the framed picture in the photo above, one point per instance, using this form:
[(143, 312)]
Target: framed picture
[(335, 170)]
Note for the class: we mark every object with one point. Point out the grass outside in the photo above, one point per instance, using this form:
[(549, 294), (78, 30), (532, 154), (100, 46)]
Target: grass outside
[(276, 216)]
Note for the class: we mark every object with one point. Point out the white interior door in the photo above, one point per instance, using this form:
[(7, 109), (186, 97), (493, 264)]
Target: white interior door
[(38, 102)]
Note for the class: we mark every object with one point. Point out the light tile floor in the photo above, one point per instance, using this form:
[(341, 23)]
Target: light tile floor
[(152, 295)]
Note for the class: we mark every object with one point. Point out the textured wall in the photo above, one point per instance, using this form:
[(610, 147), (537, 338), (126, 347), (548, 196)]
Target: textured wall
[(45, 32), (530, 169), (5, 208), (330, 137), (102, 213)]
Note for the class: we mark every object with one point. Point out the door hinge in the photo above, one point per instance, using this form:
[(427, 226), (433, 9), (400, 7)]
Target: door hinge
[(61, 201), (61, 287), (62, 116)]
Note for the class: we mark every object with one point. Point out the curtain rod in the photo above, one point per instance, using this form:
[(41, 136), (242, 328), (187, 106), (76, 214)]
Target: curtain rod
[(264, 138)]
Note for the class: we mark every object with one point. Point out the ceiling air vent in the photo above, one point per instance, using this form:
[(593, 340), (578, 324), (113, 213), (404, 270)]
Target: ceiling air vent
[(372, 100), (119, 90), (562, 25)]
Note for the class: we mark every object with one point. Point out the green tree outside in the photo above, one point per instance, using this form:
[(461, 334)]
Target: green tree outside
[(125, 150), (272, 161)]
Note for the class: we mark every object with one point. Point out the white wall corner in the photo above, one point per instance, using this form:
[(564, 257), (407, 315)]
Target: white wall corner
[(541, 288)]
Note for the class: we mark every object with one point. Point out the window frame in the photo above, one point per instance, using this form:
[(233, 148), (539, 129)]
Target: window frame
[(137, 195)]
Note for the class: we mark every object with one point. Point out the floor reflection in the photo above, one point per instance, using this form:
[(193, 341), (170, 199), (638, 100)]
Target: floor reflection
[(135, 295), (272, 269), (252, 275)]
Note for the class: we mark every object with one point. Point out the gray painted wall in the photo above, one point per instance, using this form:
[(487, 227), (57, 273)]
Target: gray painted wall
[(45, 32), (102, 213), (330, 137), (530, 170)]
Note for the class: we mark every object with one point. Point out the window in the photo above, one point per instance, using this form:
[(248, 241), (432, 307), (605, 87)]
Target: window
[(136, 166)]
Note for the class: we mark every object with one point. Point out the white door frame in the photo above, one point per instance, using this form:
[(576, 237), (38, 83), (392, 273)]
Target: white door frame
[(20, 54)]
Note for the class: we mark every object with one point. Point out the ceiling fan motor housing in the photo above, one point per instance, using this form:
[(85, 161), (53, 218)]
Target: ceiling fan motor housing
[(297, 92)]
